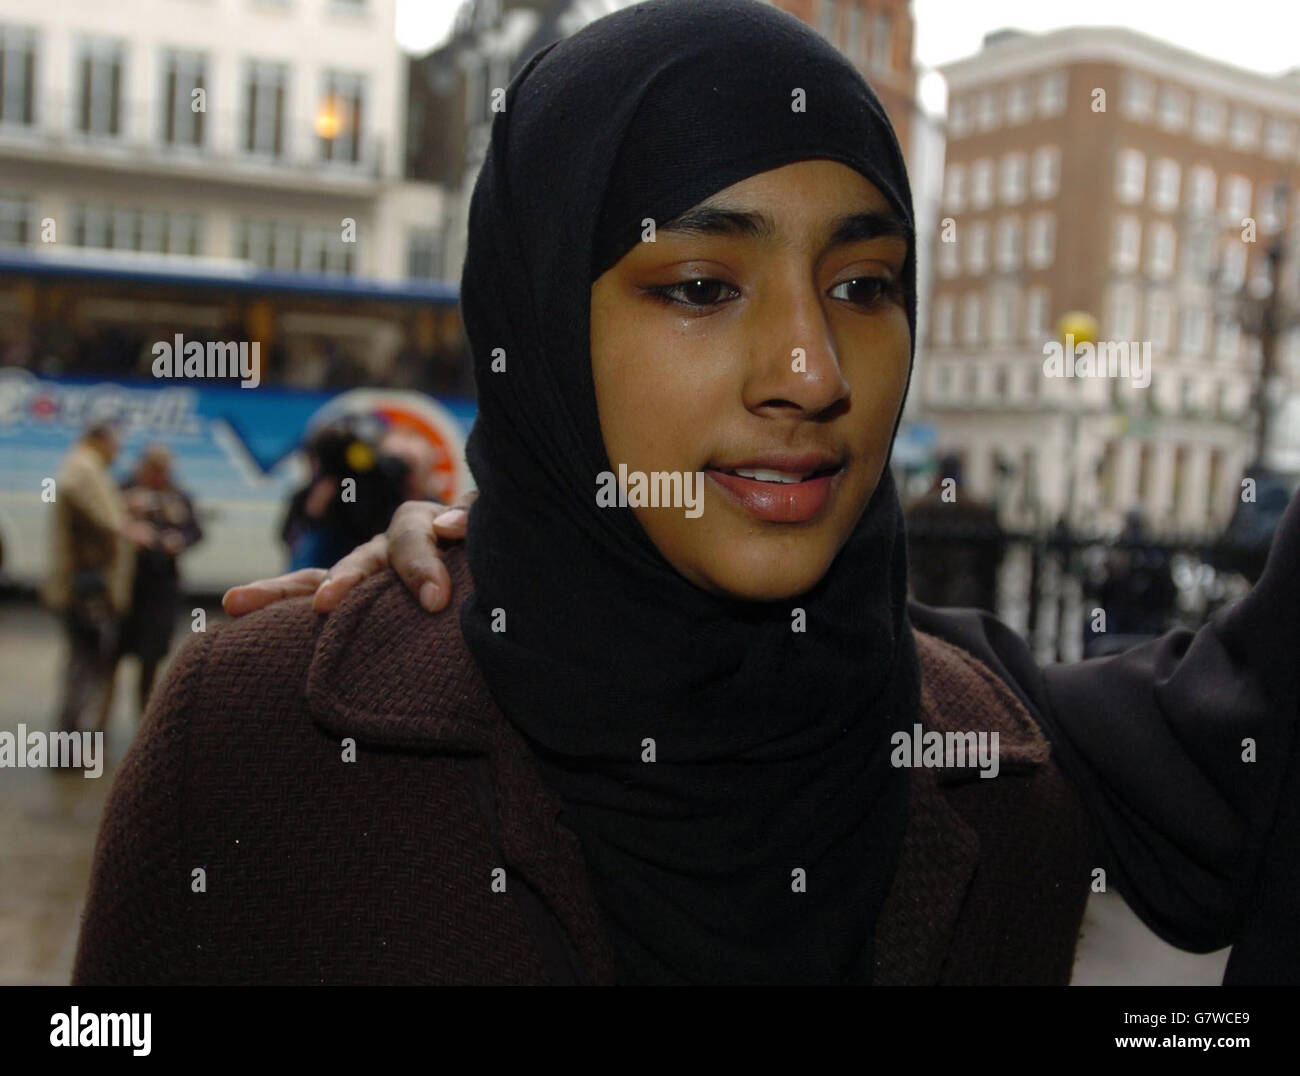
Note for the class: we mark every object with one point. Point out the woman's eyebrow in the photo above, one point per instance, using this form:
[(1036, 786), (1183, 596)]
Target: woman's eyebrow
[(750, 224)]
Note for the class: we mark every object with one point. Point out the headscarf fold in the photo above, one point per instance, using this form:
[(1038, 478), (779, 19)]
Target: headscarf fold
[(759, 844)]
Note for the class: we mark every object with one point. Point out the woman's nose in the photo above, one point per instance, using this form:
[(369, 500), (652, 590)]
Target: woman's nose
[(795, 366)]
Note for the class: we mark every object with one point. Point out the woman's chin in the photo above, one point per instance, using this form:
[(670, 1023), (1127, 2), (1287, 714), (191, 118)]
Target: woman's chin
[(758, 580)]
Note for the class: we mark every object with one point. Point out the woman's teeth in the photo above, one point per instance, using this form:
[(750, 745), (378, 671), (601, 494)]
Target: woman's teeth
[(772, 476)]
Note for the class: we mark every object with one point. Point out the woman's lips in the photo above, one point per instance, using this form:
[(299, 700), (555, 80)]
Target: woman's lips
[(778, 502)]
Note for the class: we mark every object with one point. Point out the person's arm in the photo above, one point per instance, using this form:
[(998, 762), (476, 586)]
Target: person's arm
[(409, 546), (1184, 752), (1188, 748), (191, 530)]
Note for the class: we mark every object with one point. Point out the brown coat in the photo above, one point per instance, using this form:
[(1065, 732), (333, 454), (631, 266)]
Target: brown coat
[(380, 870)]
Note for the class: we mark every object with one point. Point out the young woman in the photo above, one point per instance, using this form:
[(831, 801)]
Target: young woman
[(689, 741)]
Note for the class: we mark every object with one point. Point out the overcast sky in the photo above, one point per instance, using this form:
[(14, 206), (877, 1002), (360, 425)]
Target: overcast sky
[(1263, 35)]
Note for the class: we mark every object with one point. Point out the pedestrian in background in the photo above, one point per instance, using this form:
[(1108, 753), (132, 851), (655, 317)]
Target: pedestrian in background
[(152, 498), (91, 569)]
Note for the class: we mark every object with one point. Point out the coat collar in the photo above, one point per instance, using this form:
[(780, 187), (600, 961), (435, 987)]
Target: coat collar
[(959, 693)]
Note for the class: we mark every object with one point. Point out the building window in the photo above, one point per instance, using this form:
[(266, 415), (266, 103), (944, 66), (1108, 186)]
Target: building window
[(1160, 317), (1279, 138), (265, 107), (1243, 132), (853, 34), (294, 247), (1051, 95), (981, 183), (830, 19), (1201, 188), (1191, 330), (1211, 119), (1009, 242), (1014, 170), (1002, 314), (1173, 108), (1126, 243), (15, 220), (977, 251), (954, 187), (1146, 464), (1232, 266), (182, 75), (1123, 317), (970, 320), (1130, 176), (948, 261), (943, 315), (882, 41), (339, 117), (1160, 255), (959, 117), (1165, 177), (100, 65), (942, 382), (1218, 461), (987, 111), (423, 254), (1138, 97), (1036, 300), (1019, 109), (105, 227), (1046, 172), (17, 76), (1227, 340), (1236, 199), (1042, 240), (1198, 253), (1272, 205)]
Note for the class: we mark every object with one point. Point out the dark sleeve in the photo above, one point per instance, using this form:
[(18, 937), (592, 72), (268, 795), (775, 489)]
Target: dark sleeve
[(133, 929), (1203, 844), (192, 531)]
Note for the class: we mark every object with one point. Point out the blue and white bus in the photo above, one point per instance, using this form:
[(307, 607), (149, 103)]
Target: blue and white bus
[(77, 333)]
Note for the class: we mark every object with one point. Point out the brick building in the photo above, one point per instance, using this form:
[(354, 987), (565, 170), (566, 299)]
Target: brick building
[(1100, 170)]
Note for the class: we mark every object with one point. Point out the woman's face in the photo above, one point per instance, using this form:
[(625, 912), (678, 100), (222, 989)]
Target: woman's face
[(764, 343)]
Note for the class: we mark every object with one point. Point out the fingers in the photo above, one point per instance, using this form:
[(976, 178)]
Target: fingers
[(363, 561), (248, 598), (413, 551), (451, 523)]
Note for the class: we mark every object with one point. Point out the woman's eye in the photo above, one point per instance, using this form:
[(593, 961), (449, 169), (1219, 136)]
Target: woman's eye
[(700, 292), (862, 290)]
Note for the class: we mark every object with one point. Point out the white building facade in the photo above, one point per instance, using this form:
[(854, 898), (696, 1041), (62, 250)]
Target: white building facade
[(227, 129)]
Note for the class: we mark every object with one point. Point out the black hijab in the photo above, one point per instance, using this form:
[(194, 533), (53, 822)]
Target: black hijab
[(772, 746)]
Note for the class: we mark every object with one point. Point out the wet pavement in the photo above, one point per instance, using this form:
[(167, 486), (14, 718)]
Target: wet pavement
[(48, 823)]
